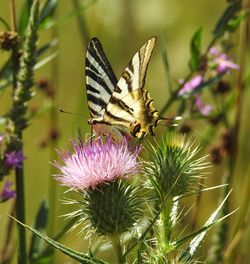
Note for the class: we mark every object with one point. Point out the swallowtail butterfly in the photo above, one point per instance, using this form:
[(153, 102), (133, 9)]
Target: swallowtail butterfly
[(124, 104)]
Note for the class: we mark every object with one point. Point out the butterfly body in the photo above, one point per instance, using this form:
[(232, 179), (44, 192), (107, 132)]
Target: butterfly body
[(123, 105), (101, 129)]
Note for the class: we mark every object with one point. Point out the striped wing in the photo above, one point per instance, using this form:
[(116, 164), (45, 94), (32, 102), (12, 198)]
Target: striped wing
[(130, 105), (100, 79)]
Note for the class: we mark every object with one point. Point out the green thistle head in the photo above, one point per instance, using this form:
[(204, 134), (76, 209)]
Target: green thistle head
[(173, 168), (112, 208)]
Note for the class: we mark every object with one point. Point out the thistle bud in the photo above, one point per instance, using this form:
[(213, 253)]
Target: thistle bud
[(174, 167)]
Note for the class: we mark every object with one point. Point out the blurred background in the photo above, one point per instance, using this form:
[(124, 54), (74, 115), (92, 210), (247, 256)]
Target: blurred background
[(122, 27)]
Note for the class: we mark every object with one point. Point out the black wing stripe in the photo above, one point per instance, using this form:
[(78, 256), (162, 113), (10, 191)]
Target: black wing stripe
[(91, 67), (96, 51), (93, 73), (121, 104), (96, 82), (97, 101), (93, 112), (116, 118), (92, 89)]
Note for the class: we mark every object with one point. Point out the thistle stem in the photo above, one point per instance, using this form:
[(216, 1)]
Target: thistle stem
[(116, 243), (165, 226)]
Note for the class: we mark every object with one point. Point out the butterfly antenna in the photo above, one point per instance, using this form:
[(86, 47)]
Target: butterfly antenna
[(70, 113), (171, 120)]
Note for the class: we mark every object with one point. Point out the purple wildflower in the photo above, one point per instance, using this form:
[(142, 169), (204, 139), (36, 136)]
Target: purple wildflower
[(190, 85), (204, 109), (6, 193), (220, 61), (14, 159), (89, 165)]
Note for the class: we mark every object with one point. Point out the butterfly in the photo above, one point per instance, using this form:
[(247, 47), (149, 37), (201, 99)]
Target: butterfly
[(124, 104)]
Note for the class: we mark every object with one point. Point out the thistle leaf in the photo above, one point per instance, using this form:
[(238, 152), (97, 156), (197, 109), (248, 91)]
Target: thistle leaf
[(41, 222), (82, 258), (199, 235)]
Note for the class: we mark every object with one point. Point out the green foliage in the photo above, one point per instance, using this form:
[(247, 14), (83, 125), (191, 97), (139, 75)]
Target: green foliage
[(195, 50), (226, 20), (22, 93), (36, 245)]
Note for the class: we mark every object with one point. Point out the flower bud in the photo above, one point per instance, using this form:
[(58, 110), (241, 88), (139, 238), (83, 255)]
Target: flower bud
[(174, 168)]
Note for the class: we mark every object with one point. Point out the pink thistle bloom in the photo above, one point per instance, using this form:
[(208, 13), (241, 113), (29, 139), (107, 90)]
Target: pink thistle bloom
[(191, 85), (204, 109), (221, 62), (14, 159), (6, 193), (90, 165)]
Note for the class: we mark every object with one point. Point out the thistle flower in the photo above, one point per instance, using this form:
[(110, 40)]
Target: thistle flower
[(191, 85), (220, 61), (204, 109), (174, 168), (14, 159), (6, 193), (99, 171), (90, 165)]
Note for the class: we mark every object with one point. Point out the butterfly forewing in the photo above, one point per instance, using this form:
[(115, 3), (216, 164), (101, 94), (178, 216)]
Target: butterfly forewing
[(100, 79)]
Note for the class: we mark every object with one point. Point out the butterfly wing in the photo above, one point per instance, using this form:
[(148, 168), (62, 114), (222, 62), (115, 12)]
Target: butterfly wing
[(130, 105), (100, 79)]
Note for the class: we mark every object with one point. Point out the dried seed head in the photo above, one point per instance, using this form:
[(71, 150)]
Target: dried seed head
[(227, 143), (223, 87), (53, 134), (185, 129), (216, 155), (45, 86), (8, 40)]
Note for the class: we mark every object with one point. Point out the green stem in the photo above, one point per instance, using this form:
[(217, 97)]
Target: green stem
[(165, 226), (20, 194), (20, 214), (116, 243), (53, 190), (81, 22), (15, 64), (21, 95), (222, 233)]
